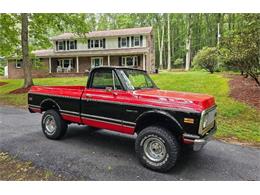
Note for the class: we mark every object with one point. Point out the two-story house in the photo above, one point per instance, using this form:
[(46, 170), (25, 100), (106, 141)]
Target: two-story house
[(72, 55)]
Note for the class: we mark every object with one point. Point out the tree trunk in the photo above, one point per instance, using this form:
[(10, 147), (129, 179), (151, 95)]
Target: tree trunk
[(161, 48), (169, 43), (188, 44), (27, 67)]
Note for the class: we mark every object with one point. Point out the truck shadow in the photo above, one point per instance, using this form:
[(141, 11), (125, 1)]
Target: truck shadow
[(120, 145)]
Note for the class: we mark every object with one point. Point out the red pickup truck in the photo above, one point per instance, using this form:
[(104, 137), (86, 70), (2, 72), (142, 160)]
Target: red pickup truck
[(126, 100)]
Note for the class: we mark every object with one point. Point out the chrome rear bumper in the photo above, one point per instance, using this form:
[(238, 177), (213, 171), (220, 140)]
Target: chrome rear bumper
[(199, 142)]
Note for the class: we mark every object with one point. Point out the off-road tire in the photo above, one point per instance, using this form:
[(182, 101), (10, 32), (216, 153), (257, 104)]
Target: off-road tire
[(169, 141), (61, 125)]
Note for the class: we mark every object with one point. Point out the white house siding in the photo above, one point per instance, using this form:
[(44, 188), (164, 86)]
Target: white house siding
[(111, 43)]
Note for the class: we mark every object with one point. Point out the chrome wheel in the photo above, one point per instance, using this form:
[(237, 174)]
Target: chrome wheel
[(154, 149), (50, 125)]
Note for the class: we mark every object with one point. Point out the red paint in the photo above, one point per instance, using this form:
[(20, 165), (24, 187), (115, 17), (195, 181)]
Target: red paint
[(108, 125), (148, 97), (154, 98)]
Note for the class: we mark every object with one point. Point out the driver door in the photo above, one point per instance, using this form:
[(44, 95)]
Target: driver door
[(100, 101)]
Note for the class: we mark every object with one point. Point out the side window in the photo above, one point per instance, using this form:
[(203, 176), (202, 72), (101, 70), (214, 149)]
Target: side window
[(102, 79), (117, 84)]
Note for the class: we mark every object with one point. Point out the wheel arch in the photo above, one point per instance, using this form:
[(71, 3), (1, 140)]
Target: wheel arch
[(158, 117), (48, 104)]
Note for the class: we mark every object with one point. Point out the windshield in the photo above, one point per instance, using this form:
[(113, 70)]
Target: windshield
[(136, 79)]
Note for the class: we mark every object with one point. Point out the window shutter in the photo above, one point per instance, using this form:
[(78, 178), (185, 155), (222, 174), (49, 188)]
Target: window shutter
[(138, 61), (120, 61), (68, 45), (141, 40), (132, 41), (57, 48), (119, 42), (104, 43), (76, 44), (127, 41), (89, 44)]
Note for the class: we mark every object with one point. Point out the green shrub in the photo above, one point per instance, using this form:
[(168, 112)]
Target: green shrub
[(178, 63), (206, 58)]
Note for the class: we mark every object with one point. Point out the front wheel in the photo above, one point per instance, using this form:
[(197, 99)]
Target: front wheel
[(157, 148), (53, 126)]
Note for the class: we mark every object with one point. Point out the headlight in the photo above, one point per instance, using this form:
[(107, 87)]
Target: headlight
[(205, 121)]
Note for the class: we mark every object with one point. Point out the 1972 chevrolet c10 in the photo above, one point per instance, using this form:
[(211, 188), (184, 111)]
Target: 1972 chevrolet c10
[(126, 100)]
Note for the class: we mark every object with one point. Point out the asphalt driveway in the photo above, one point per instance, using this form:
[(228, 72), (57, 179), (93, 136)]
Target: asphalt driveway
[(103, 155)]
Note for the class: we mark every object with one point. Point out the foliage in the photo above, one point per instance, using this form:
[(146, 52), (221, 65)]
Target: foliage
[(207, 58), (235, 119), (178, 62), (242, 46), (41, 27)]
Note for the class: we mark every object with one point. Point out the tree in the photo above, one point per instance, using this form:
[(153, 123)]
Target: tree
[(27, 67), (169, 43), (22, 33), (207, 58), (242, 47), (188, 43)]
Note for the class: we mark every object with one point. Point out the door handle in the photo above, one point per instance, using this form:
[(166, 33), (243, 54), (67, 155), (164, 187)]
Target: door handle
[(115, 93)]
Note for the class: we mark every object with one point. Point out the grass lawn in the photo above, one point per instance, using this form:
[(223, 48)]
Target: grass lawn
[(12, 169), (236, 120)]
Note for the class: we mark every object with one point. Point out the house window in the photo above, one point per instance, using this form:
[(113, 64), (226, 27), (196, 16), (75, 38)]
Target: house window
[(136, 41), (64, 64), (97, 61), (97, 43), (123, 42), (18, 63), (61, 45), (130, 61), (72, 45)]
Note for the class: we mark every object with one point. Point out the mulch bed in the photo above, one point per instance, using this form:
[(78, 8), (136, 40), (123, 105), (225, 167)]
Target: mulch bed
[(245, 90), (20, 90), (2, 83)]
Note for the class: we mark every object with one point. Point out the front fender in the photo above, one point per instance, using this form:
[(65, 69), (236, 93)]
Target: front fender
[(159, 113)]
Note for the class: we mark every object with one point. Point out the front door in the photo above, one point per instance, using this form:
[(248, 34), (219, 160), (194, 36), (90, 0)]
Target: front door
[(101, 105)]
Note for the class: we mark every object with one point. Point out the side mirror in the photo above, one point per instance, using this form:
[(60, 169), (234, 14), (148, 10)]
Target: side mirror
[(109, 89)]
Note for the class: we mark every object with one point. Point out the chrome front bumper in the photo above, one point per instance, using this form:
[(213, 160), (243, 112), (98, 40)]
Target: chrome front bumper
[(199, 142)]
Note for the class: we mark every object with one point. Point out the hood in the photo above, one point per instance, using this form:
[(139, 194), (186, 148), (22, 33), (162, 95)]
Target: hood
[(174, 99)]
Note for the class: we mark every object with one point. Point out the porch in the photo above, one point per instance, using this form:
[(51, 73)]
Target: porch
[(83, 64)]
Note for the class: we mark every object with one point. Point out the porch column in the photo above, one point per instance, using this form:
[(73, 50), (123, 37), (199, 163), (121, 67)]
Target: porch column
[(108, 60), (143, 61), (49, 65), (77, 63)]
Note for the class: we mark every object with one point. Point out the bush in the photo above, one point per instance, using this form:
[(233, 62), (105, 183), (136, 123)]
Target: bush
[(206, 58), (178, 63)]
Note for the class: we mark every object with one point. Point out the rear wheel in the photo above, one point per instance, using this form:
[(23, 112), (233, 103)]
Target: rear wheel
[(53, 126), (157, 148)]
